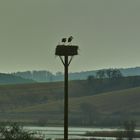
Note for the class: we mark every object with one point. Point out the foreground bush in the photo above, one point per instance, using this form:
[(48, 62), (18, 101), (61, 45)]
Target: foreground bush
[(12, 131)]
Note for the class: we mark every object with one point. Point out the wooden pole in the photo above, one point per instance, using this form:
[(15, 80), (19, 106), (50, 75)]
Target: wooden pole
[(66, 99)]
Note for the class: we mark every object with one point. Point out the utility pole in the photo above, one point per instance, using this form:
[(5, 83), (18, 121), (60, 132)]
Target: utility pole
[(65, 51)]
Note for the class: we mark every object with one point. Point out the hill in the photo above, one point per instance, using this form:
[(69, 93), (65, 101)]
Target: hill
[(38, 93), (110, 108), (37, 102), (109, 102), (12, 79)]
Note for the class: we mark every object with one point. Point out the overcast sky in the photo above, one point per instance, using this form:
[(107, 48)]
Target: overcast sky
[(107, 32)]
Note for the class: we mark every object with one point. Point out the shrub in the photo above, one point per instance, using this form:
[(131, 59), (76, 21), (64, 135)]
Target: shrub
[(13, 131)]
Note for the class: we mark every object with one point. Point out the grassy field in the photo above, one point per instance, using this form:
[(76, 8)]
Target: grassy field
[(44, 101), (110, 102)]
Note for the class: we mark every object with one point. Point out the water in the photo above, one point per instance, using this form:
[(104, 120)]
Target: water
[(58, 132), (74, 132)]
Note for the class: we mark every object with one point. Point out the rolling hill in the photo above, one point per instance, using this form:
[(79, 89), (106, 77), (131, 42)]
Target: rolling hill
[(108, 103), (44, 101)]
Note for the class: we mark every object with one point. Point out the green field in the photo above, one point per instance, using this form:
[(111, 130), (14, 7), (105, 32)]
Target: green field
[(110, 102), (44, 102)]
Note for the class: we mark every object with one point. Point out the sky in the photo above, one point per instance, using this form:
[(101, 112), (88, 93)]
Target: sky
[(106, 31)]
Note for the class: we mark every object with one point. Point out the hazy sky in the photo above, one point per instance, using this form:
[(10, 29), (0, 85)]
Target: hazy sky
[(107, 32)]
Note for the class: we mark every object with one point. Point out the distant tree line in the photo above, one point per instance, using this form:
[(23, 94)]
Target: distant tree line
[(106, 73), (47, 76), (40, 76), (109, 80), (109, 73)]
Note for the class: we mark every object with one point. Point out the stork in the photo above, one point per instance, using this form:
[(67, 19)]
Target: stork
[(70, 39), (64, 40)]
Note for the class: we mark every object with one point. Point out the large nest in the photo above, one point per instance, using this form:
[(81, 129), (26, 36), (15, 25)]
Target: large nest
[(66, 50)]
